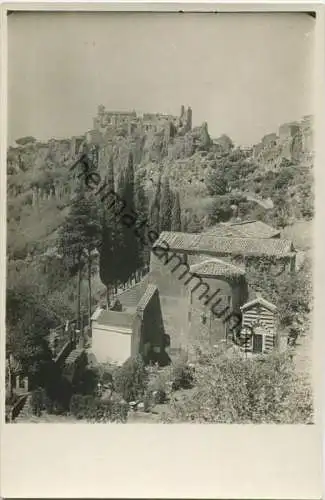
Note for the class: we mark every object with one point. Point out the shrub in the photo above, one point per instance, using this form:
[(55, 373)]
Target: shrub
[(40, 402), (182, 374), (131, 379), (158, 386), (232, 389), (98, 410)]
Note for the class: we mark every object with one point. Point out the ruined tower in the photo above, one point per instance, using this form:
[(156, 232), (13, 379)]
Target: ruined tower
[(189, 119)]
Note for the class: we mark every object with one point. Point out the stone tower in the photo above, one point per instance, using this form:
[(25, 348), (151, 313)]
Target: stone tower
[(189, 119)]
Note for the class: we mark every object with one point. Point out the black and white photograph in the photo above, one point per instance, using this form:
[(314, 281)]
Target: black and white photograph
[(160, 210)]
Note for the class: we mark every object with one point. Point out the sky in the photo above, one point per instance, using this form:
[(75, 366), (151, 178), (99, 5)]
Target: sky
[(244, 74)]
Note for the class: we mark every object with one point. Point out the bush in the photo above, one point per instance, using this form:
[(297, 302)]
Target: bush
[(182, 374), (131, 379), (158, 386), (232, 389), (40, 402), (97, 410)]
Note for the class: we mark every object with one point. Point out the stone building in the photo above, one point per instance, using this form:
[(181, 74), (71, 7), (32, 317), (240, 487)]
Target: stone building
[(227, 291), (294, 142), (195, 290), (107, 121), (117, 335), (259, 334)]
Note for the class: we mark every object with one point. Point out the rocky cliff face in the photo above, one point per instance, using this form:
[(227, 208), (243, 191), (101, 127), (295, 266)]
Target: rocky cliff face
[(40, 183)]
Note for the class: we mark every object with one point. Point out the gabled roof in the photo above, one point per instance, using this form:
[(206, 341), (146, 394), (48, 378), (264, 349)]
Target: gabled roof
[(114, 318), (146, 297), (216, 267), (208, 243), (261, 301)]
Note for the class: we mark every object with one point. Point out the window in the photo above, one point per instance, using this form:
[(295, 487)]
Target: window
[(257, 343)]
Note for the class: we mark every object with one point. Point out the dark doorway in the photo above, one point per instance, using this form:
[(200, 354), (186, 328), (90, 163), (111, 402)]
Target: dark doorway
[(257, 343)]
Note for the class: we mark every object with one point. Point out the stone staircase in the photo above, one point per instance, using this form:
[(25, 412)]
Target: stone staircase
[(26, 412), (130, 297), (74, 355)]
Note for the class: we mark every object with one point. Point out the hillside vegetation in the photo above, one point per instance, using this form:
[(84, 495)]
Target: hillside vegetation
[(215, 179)]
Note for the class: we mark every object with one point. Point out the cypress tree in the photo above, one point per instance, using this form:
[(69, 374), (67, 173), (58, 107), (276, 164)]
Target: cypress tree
[(110, 239), (176, 224), (141, 208), (155, 209), (126, 222), (165, 211), (129, 221), (120, 256)]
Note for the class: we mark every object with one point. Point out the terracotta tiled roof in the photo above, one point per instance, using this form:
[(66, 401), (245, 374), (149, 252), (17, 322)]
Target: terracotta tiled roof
[(114, 318), (216, 267), (204, 242)]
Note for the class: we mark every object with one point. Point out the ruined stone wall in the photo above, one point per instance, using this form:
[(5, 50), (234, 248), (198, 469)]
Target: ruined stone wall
[(130, 121), (294, 143)]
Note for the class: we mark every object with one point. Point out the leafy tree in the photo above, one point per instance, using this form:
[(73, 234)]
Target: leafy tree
[(79, 237), (25, 140), (225, 142), (29, 317), (290, 292), (285, 177), (131, 379), (222, 209), (215, 182), (165, 210), (176, 214)]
